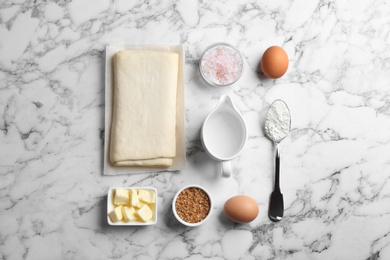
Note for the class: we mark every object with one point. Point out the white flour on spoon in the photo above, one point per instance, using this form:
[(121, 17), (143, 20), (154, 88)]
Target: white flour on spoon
[(277, 123)]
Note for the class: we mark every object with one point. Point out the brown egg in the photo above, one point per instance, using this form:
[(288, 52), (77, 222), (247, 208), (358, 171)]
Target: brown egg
[(274, 62), (241, 209)]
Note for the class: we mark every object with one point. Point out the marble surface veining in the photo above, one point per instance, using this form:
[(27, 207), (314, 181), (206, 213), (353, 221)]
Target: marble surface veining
[(335, 171)]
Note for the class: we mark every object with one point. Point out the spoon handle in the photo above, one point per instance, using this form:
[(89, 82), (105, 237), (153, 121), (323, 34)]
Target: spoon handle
[(277, 169), (276, 204)]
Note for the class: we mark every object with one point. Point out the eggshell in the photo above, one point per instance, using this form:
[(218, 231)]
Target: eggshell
[(274, 62), (241, 209)]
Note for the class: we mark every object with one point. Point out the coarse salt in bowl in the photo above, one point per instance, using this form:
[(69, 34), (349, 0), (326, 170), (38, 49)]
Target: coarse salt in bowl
[(192, 205), (221, 65)]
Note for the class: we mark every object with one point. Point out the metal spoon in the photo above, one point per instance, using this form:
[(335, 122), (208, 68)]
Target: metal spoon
[(277, 127)]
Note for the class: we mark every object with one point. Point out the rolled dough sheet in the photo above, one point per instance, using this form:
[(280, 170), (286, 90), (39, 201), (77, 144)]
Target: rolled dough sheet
[(143, 131)]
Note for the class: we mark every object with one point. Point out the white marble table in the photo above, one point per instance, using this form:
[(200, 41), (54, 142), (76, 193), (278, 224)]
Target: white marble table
[(335, 163)]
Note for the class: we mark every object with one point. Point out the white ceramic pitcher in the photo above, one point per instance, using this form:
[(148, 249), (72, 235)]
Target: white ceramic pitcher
[(224, 134)]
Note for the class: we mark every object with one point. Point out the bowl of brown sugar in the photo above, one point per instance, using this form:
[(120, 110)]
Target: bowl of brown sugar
[(192, 205)]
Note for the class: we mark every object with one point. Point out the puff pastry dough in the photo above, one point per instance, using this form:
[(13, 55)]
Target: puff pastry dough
[(143, 130)]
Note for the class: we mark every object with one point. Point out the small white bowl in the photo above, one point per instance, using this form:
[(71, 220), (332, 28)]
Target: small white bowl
[(208, 73), (110, 207), (181, 220)]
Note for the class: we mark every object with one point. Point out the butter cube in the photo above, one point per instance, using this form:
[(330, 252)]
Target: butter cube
[(134, 198), (140, 204), (152, 207), (145, 213), (129, 214), (147, 196), (121, 196), (116, 215)]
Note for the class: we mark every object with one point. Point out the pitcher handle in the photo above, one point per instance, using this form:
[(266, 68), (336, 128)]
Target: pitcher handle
[(226, 169)]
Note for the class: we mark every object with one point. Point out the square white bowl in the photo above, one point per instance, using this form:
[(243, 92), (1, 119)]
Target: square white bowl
[(110, 207)]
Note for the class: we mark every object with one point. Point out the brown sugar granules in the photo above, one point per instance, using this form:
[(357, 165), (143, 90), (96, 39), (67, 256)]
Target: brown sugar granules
[(192, 205)]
